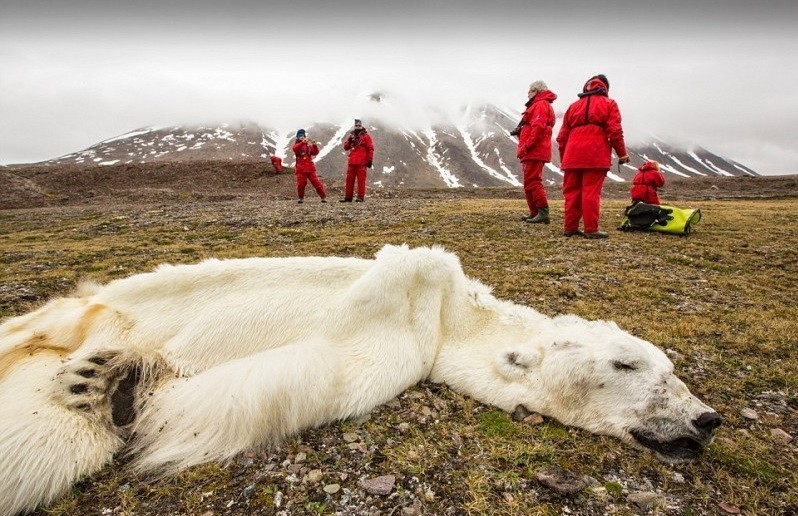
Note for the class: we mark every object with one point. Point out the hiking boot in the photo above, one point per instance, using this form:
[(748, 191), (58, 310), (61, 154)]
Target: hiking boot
[(346, 199), (597, 234), (527, 218), (300, 201), (324, 200), (541, 218), (572, 232), (360, 199)]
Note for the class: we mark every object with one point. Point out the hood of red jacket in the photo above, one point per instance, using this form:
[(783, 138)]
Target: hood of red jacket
[(593, 86), (547, 95), (649, 165)]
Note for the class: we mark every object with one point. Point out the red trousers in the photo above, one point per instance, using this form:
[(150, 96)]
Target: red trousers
[(581, 189), (302, 179), (533, 186), (355, 172)]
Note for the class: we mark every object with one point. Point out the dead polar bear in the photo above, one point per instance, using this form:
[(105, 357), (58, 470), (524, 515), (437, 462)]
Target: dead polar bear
[(199, 362)]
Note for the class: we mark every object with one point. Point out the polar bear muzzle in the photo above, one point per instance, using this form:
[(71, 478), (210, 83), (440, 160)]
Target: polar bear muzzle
[(684, 448)]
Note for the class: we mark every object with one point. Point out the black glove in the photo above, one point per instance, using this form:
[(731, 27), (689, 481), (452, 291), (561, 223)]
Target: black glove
[(369, 164), (623, 160)]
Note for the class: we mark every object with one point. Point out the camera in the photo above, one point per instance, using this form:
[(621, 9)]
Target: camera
[(515, 132)]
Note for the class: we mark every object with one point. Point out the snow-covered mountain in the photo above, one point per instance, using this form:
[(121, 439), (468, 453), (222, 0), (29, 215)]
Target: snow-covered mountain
[(475, 150)]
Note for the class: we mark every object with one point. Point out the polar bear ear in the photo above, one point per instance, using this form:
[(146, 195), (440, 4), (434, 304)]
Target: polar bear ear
[(512, 364)]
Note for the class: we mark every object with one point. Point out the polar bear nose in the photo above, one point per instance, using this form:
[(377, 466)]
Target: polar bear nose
[(708, 422)]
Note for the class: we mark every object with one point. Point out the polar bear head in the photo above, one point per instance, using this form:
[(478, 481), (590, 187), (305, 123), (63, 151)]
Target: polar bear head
[(593, 375)]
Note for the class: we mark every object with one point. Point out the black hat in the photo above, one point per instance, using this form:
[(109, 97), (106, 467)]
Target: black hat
[(603, 78), (358, 122), (300, 134)]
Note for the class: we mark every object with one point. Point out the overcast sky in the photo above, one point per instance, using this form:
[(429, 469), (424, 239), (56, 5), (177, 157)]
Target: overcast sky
[(717, 73)]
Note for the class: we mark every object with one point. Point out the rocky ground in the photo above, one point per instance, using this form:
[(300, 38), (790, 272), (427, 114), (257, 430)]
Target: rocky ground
[(432, 451)]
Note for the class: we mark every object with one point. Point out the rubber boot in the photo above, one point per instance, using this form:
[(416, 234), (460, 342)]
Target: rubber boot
[(542, 217)]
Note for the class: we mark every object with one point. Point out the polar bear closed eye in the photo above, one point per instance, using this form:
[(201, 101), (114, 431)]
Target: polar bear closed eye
[(194, 363)]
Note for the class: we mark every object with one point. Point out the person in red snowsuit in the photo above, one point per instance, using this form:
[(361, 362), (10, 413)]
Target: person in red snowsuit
[(277, 163), (361, 155), (590, 131), (534, 149), (645, 183), (305, 170)]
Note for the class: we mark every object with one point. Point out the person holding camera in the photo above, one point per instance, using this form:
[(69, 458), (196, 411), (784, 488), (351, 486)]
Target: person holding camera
[(534, 149), (591, 130), (305, 169), (361, 155)]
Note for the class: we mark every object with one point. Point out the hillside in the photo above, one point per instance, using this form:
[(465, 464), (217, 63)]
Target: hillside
[(58, 185)]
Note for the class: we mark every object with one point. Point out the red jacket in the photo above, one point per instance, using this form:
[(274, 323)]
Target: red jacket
[(304, 156), (590, 129), (646, 182), (534, 142), (360, 147)]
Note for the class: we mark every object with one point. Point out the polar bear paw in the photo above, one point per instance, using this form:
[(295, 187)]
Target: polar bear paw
[(87, 384)]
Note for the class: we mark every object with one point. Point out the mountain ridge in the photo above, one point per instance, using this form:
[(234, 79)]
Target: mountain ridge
[(474, 151)]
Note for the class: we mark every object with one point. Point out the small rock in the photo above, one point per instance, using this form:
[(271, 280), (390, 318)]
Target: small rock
[(248, 492), (520, 413), (358, 447), (673, 354), (314, 476), (278, 499), (379, 485), (748, 413), (678, 478), (729, 508), (351, 437), (404, 426), (781, 434), (646, 500), (300, 458), (533, 419), (332, 488), (394, 404), (362, 420), (561, 481)]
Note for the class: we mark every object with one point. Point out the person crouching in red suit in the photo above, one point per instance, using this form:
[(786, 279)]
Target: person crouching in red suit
[(645, 183), (590, 131), (277, 163), (361, 155), (534, 149), (305, 170)]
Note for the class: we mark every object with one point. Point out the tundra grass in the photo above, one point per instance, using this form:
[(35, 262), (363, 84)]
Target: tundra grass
[(721, 302)]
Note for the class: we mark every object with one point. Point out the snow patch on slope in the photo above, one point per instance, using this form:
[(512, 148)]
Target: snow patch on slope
[(437, 161)]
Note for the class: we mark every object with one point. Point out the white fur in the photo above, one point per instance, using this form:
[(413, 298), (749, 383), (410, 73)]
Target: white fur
[(236, 354)]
